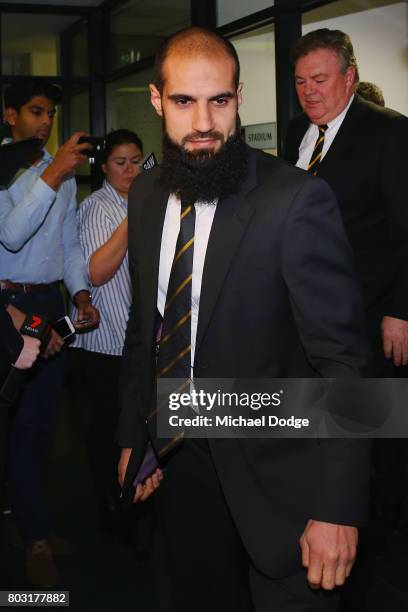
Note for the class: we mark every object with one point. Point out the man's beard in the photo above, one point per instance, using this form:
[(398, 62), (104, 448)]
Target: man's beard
[(204, 175)]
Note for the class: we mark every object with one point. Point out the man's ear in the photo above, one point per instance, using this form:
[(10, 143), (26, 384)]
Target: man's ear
[(103, 167), (10, 116), (239, 94), (350, 76), (155, 99)]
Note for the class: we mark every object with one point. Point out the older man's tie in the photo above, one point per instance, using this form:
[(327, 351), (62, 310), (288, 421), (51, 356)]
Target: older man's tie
[(317, 151)]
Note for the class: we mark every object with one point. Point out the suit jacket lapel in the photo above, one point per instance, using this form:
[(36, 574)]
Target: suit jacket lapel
[(344, 139), (152, 221), (229, 225)]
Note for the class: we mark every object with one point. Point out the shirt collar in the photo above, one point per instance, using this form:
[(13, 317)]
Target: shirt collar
[(337, 120), (174, 199), (334, 122), (118, 198), (47, 157)]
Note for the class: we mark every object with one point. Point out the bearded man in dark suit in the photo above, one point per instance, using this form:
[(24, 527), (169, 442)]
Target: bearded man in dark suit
[(268, 290)]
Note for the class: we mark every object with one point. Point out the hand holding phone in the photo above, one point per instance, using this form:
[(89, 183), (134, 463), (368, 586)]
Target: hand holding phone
[(83, 324), (64, 327)]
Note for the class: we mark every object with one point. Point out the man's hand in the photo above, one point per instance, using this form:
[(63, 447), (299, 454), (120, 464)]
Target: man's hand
[(143, 491), (328, 553), (395, 340), (123, 463), (29, 353), (68, 157), (55, 344), (16, 315), (86, 312)]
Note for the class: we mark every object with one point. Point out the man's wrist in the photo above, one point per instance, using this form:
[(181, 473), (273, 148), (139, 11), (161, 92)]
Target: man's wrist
[(53, 176), (82, 297)]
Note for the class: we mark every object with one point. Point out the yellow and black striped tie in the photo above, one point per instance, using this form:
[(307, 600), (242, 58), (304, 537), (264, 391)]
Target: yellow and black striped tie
[(317, 151), (174, 357)]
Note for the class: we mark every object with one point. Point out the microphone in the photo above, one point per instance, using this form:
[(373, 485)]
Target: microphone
[(149, 162), (36, 326)]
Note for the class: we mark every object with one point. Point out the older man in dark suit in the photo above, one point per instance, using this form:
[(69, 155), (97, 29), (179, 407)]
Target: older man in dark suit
[(242, 262), (360, 149)]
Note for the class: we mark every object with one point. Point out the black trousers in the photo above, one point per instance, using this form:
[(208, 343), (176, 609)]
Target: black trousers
[(95, 377), (4, 410), (208, 567), (32, 424), (100, 377)]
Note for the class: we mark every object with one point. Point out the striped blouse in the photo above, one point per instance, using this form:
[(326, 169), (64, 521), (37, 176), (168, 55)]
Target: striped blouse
[(98, 217)]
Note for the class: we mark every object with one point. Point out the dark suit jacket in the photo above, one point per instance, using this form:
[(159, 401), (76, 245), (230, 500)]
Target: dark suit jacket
[(11, 343), (366, 166), (278, 299)]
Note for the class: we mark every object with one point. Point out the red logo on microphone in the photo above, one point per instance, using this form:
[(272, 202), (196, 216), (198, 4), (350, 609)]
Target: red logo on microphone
[(36, 322)]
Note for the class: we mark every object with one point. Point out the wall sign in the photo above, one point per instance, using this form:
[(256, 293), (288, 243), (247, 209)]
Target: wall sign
[(261, 135)]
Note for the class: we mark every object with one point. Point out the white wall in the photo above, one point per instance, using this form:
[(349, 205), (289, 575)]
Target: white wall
[(257, 58), (380, 41)]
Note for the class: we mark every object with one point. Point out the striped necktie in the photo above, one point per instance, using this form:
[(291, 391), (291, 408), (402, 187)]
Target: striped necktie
[(174, 348), (317, 151), (174, 358)]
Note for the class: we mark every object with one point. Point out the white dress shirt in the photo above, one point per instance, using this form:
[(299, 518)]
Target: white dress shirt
[(204, 218), (309, 139)]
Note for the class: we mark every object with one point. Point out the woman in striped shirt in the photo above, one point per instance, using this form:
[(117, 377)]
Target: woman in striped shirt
[(102, 226)]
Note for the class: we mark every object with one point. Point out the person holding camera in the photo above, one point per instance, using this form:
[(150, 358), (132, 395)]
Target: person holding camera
[(102, 226), (39, 249)]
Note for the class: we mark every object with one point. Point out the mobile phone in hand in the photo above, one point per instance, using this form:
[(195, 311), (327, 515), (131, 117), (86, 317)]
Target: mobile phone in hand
[(64, 327)]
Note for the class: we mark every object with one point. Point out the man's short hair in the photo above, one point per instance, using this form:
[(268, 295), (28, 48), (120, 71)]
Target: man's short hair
[(22, 91), (337, 41), (195, 40), (371, 92)]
